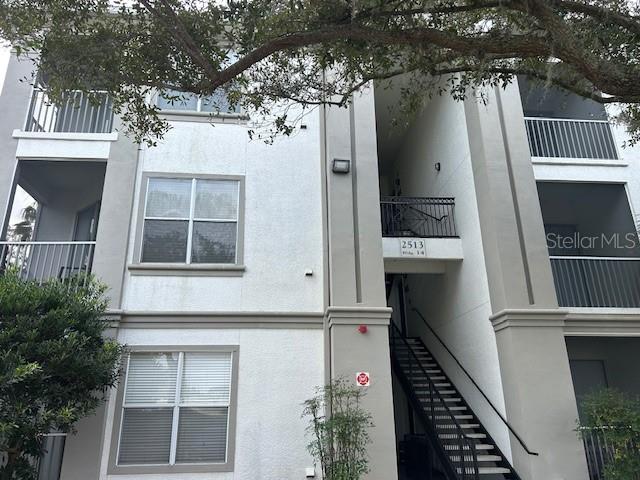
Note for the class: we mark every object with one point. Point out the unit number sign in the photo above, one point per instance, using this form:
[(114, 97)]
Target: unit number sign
[(412, 247)]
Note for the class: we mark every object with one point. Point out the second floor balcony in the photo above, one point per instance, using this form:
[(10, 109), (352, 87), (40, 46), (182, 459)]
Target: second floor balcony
[(594, 248), (53, 219)]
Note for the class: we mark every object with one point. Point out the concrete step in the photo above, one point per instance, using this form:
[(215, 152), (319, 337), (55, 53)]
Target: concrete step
[(479, 447), (481, 458), (489, 470)]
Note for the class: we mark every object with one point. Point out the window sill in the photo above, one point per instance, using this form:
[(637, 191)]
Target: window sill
[(170, 469), (184, 270), (203, 117)]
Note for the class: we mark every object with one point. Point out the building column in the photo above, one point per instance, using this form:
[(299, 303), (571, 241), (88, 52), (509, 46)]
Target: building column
[(539, 394), (112, 239), (14, 103), (536, 380), (355, 272)]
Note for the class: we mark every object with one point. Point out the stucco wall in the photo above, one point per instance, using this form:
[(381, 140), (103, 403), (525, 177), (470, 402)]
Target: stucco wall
[(282, 228), (457, 303), (270, 435)]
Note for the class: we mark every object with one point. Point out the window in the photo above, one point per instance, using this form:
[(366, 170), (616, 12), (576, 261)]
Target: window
[(190, 102), (191, 220), (175, 409)]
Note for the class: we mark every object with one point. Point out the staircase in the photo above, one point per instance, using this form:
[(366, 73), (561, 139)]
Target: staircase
[(463, 448)]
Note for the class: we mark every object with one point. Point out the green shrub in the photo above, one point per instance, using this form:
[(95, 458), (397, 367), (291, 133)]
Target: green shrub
[(55, 363), (615, 418), (339, 439)]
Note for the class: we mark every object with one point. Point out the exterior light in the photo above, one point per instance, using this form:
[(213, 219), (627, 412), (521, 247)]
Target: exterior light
[(363, 329), (341, 165)]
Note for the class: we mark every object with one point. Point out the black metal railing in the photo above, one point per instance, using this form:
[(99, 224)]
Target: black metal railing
[(596, 281), (475, 384), (456, 451), (418, 217), (599, 452)]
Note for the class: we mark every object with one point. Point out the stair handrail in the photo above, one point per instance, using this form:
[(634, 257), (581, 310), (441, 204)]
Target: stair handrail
[(433, 390), (495, 409)]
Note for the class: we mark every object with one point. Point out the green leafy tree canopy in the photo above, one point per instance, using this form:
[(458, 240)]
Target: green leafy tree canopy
[(55, 363), (264, 51)]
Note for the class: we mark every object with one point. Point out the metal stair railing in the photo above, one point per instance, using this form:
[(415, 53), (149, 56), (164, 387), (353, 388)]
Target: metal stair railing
[(443, 430), (475, 384)]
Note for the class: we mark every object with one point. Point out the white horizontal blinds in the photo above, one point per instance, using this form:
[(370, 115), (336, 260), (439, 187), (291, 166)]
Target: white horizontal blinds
[(206, 379), (149, 400), (215, 226), (167, 219), (172, 416), (151, 379), (205, 395)]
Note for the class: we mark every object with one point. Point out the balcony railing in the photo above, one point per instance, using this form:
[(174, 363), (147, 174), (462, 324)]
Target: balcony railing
[(597, 281), (77, 112), (599, 453), (564, 138), (41, 261), (418, 217)]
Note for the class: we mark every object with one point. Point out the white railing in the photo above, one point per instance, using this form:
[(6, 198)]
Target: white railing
[(566, 138), (77, 112), (597, 281), (41, 261)]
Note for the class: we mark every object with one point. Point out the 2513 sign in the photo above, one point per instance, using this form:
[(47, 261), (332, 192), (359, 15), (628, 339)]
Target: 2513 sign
[(413, 247)]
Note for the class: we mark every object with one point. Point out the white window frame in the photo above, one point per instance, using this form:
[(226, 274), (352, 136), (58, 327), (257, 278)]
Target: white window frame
[(191, 219), (172, 467)]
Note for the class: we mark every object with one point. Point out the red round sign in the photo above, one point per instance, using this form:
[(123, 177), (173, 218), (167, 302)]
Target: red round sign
[(362, 379)]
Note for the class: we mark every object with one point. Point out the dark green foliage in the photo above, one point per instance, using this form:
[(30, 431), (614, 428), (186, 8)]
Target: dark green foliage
[(55, 363), (615, 418), (339, 439), (283, 48)]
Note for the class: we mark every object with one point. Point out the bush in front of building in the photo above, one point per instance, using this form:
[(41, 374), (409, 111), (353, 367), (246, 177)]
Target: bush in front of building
[(339, 430), (56, 365), (611, 428)]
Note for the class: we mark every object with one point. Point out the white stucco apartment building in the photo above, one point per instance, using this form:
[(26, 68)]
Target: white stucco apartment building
[(241, 276)]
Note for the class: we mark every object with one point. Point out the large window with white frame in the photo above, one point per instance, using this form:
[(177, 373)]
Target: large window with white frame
[(176, 409), (191, 220)]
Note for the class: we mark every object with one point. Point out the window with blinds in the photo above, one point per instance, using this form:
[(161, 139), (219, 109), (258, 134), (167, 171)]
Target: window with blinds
[(176, 408), (191, 220)]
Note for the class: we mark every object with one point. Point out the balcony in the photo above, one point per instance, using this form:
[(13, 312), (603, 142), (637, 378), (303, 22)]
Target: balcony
[(41, 261), (53, 219), (419, 234), (418, 217), (567, 138), (597, 281), (77, 112)]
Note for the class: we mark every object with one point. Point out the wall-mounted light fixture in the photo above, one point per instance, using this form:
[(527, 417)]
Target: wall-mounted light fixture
[(340, 165), (437, 165)]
